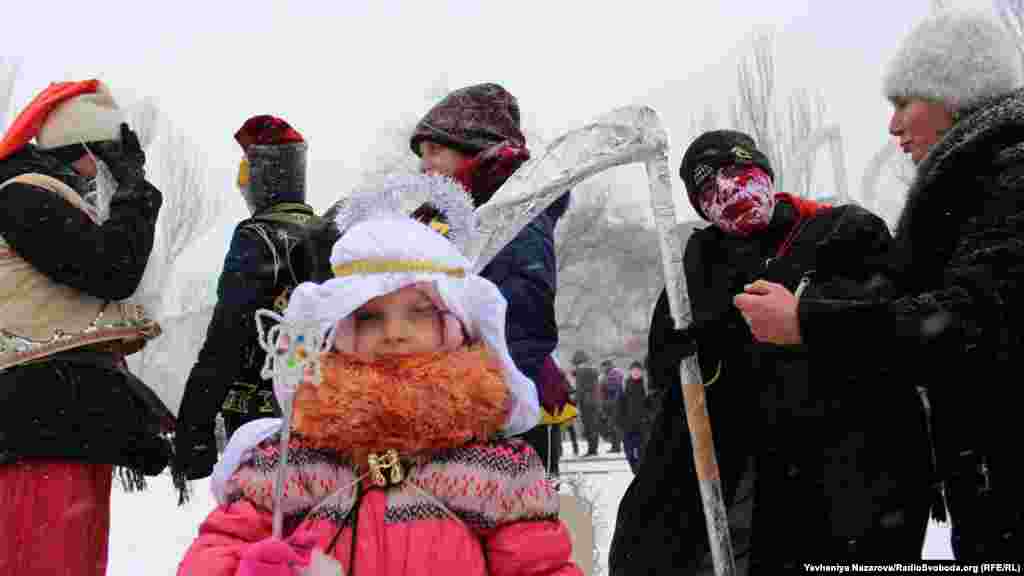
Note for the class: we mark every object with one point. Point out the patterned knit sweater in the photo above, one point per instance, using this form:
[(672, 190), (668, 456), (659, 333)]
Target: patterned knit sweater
[(485, 508), (460, 505)]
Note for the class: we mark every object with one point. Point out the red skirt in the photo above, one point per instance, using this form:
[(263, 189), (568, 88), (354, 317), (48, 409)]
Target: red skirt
[(54, 518)]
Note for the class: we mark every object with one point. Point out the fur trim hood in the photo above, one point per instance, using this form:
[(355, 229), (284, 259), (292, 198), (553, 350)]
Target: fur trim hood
[(957, 58)]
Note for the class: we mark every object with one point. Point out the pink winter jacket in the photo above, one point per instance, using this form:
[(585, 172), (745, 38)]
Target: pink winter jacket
[(490, 511)]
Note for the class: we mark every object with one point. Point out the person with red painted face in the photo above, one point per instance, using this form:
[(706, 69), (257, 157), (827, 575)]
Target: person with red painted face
[(805, 474)]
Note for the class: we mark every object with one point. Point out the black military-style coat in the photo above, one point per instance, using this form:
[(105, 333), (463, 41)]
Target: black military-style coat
[(813, 455)]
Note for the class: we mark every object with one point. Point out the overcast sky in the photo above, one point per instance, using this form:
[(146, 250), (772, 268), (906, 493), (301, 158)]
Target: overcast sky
[(344, 73)]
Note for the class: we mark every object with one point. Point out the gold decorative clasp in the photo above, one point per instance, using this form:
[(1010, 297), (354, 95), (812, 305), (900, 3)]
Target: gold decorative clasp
[(281, 302), (388, 461)]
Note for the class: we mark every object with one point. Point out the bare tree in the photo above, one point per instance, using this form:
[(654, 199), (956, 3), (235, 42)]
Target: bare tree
[(755, 106), (391, 153), (781, 127), (579, 232), (609, 276), (705, 123), (885, 181)]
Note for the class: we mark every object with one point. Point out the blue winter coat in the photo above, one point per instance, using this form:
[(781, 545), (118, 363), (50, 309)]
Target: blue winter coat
[(525, 273)]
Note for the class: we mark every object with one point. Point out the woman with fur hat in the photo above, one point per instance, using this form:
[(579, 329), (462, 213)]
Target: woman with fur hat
[(400, 460), (804, 474), (952, 318), (473, 135), (76, 231)]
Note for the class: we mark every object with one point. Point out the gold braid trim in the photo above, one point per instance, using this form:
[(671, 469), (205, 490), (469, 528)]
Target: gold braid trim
[(386, 266)]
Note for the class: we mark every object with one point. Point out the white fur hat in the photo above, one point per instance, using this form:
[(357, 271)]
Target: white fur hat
[(86, 118), (957, 58)]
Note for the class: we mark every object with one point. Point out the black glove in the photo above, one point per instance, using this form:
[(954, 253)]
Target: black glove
[(195, 450), (124, 158)]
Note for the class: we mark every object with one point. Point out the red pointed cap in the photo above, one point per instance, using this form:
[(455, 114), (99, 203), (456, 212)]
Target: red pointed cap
[(266, 130)]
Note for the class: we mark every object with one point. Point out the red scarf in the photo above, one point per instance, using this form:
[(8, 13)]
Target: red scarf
[(484, 173), (805, 209)]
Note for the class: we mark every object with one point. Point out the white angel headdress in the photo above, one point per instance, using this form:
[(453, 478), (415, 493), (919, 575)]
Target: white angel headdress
[(382, 250)]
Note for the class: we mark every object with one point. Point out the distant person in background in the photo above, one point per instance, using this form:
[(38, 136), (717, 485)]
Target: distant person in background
[(634, 414), (612, 380), (570, 426), (588, 399)]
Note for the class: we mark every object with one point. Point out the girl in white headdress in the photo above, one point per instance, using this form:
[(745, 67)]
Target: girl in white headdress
[(400, 460)]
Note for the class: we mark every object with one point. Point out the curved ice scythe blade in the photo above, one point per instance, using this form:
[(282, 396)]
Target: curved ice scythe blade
[(292, 348), (624, 136)]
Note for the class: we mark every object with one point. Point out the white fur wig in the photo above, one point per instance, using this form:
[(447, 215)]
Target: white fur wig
[(959, 58)]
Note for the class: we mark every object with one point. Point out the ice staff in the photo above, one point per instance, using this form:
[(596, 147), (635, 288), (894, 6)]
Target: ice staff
[(293, 351), (697, 419)]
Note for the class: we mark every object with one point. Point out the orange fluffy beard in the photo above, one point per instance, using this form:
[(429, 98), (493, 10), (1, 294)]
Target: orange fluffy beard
[(413, 404)]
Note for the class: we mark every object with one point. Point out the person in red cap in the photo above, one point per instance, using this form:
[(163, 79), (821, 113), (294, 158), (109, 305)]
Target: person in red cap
[(76, 231), (270, 254)]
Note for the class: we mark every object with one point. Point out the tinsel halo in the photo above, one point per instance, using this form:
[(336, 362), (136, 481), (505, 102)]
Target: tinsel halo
[(389, 196)]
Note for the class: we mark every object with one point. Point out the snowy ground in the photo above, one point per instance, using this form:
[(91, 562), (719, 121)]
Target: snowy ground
[(149, 533)]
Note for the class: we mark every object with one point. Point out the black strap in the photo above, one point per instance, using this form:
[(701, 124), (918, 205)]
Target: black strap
[(354, 513)]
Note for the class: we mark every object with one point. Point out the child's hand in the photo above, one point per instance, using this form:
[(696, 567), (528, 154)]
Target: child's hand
[(274, 557)]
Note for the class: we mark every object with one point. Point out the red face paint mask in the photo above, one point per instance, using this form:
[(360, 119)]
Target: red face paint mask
[(739, 200)]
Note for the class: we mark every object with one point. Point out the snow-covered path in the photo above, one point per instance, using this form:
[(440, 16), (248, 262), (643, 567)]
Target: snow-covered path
[(150, 532)]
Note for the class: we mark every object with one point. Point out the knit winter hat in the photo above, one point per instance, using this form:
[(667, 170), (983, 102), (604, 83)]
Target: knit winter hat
[(274, 167), (957, 58), (713, 150), (89, 117), (471, 120)]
